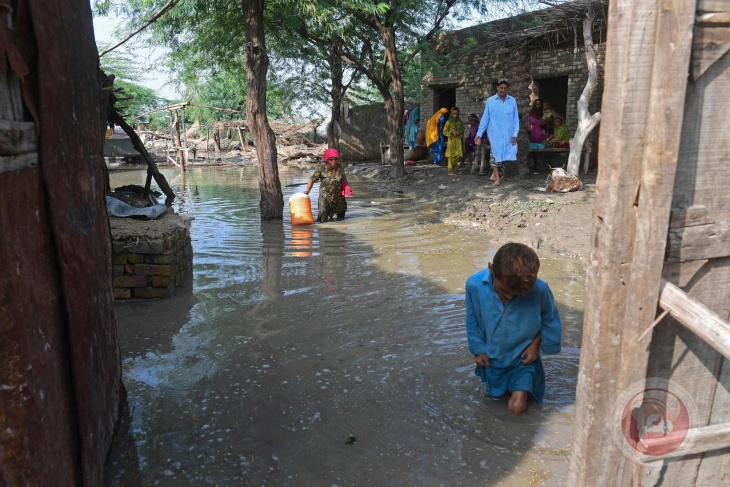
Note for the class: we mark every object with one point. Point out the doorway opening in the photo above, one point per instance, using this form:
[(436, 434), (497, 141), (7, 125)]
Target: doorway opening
[(554, 91), (443, 97)]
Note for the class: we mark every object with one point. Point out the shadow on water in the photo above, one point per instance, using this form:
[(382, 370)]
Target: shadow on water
[(333, 353)]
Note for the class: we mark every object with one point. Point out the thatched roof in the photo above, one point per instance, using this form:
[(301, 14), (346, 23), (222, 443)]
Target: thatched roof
[(551, 27)]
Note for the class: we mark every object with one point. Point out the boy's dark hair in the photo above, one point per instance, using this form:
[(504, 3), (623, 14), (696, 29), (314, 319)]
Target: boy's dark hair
[(516, 266)]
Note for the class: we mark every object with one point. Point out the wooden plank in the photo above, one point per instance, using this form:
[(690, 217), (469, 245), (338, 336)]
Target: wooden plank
[(697, 317), (687, 362), (73, 174), (699, 242), (712, 6), (17, 138), (701, 182), (698, 440), (715, 469), (642, 109), (681, 273), (11, 99), (686, 217), (710, 44), (703, 177), (18, 163), (713, 18)]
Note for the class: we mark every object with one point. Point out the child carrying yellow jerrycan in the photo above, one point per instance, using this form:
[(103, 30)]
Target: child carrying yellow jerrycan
[(333, 188), (300, 207)]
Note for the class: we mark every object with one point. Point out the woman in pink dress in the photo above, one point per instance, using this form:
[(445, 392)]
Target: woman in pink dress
[(537, 132)]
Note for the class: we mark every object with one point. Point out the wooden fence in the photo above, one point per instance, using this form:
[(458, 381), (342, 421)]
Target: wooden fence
[(653, 399)]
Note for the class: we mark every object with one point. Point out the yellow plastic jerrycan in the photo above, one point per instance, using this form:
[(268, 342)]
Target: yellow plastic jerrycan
[(300, 207)]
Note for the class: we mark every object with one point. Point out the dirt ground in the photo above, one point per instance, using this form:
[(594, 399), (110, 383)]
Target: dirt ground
[(514, 211)]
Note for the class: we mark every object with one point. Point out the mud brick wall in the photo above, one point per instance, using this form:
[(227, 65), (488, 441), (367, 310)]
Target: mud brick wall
[(474, 73), (364, 128), (151, 266)]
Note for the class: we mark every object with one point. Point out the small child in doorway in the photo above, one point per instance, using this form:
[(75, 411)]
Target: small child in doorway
[(547, 117), (511, 316)]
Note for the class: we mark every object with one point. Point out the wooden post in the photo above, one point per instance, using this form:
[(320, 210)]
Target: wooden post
[(648, 52), (184, 139), (240, 137), (178, 143), (207, 141), (217, 141)]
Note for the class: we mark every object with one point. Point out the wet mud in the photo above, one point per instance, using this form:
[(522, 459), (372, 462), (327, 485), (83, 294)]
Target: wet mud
[(332, 354)]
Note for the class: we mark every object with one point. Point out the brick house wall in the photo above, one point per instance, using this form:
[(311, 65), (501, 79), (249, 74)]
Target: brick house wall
[(474, 73), (363, 129)]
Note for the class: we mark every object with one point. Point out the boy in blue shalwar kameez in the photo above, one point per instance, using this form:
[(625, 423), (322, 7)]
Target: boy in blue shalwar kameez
[(510, 316)]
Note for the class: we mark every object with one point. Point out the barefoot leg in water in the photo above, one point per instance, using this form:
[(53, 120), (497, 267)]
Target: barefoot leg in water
[(518, 402)]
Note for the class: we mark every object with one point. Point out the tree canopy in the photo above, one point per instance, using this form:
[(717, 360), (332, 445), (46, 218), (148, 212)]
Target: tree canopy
[(137, 99)]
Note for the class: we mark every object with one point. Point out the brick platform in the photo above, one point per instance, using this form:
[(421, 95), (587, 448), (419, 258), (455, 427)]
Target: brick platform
[(152, 258)]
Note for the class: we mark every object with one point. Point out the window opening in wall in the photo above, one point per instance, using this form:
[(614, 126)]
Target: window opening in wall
[(554, 91), (444, 97)]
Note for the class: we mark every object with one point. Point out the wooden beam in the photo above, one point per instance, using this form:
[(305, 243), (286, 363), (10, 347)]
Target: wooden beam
[(698, 440), (643, 110), (699, 242), (16, 163), (681, 273), (712, 35), (17, 138), (696, 317), (687, 217), (710, 44)]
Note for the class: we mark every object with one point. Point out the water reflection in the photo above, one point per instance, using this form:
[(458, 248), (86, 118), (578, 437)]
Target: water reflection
[(298, 337)]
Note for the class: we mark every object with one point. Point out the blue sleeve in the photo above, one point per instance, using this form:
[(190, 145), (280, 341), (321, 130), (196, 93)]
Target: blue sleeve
[(550, 329), (515, 120), (485, 120), (474, 330)]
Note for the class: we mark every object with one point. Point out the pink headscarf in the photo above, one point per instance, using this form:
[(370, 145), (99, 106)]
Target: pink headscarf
[(331, 152)]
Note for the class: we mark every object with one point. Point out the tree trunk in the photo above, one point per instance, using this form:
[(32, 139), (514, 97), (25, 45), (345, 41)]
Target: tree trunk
[(394, 106), (336, 74), (257, 65), (586, 121)]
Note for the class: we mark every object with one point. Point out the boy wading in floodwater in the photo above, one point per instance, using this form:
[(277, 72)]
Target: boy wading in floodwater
[(510, 316)]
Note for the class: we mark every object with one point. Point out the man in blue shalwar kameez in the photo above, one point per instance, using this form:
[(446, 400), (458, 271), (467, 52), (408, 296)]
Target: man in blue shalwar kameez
[(510, 316), (502, 124)]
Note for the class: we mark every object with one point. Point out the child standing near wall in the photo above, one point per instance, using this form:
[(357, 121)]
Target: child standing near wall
[(454, 130), (469, 142)]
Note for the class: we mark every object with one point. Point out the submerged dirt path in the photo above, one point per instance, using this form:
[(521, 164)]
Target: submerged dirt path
[(514, 211)]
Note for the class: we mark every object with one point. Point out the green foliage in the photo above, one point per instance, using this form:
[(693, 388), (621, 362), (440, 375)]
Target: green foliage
[(206, 40)]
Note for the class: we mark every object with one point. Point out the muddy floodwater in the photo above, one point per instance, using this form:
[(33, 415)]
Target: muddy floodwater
[(333, 354)]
